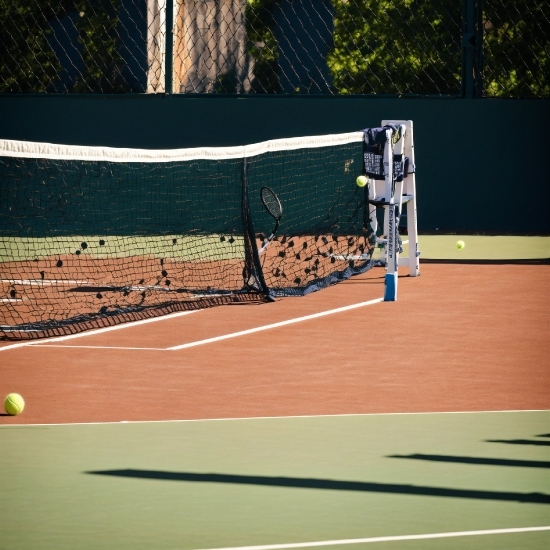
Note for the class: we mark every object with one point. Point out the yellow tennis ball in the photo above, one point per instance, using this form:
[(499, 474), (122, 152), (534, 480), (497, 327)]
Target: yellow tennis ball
[(14, 404), (460, 245), (361, 181)]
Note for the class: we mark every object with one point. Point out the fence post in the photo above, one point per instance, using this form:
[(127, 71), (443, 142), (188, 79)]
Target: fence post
[(169, 57), (468, 47), (478, 51)]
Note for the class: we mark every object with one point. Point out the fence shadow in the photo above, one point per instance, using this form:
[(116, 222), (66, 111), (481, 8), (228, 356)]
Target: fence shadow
[(327, 484), (520, 442), (476, 460)]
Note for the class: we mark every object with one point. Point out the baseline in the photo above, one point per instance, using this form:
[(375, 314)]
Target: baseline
[(389, 539), (239, 419)]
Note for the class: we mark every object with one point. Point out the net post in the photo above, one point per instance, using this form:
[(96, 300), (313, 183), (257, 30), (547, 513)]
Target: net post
[(390, 287), (390, 222)]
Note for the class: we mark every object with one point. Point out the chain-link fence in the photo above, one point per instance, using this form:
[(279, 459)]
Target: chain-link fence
[(456, 48), (516, 48), (73, 46)]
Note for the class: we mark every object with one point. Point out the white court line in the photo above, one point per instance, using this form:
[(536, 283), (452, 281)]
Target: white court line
[(47, 343), (43, 282), (389, 539), (274, 325), (44, 343), (292, 417)]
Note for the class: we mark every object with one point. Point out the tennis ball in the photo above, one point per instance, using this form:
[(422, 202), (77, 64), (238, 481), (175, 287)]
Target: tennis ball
[(14, 404), (460, 245), (361, 181)]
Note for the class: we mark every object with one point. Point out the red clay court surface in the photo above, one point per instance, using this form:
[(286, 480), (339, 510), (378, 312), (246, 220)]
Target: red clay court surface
[(459, 338)]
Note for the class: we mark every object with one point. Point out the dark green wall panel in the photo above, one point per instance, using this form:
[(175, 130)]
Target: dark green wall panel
[(483, 165)]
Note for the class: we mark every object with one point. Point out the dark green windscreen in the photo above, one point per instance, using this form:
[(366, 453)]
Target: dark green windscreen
[(41, 197)]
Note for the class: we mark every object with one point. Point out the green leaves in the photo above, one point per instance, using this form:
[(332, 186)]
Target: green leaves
[(29, 45), (262, 45), (28, 62), (100, 44), (516, 49), (396, 47)]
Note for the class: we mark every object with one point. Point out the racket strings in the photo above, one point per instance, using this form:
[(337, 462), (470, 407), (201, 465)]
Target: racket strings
[(272, 203)]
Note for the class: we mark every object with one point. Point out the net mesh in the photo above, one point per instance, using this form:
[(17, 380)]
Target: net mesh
[(93, 241), (322, 235)]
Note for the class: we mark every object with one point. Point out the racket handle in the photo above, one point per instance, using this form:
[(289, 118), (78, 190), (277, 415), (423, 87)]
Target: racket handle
[(264, 246)]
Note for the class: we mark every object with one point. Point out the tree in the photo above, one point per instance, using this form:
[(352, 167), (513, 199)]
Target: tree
[(28, 64), (396, 47), (262, 46), (99, 46), (516, 49), (29, 44), (211, 47)]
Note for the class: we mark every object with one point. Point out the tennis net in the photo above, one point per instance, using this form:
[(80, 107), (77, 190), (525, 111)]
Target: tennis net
[(92, 236)]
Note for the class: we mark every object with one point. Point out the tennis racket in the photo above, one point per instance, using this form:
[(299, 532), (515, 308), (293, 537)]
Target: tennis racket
[(273, 206)]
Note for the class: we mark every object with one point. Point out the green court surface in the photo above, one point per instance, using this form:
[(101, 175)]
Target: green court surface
[(17, 249), (234, 483), (483, 247), (432, 247)]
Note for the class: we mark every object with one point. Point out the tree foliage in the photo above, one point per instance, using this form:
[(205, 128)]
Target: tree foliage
[(396, 47), (28, 44), (516, 48), (28, 64), (262, 45), (100, 46)]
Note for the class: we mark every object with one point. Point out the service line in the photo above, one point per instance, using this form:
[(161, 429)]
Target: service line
[(51, 342), (46, 342), (275, 325)]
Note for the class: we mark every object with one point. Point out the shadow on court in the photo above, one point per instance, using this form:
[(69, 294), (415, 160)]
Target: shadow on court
[(327, 484), (520, 442), (476, 460)]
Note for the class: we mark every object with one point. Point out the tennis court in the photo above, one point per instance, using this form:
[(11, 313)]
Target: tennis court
[(235, 320), (332, 419)]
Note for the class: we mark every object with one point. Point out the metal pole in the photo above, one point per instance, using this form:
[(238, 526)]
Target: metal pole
[(479, 48), (468, 47), (169, 57)]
